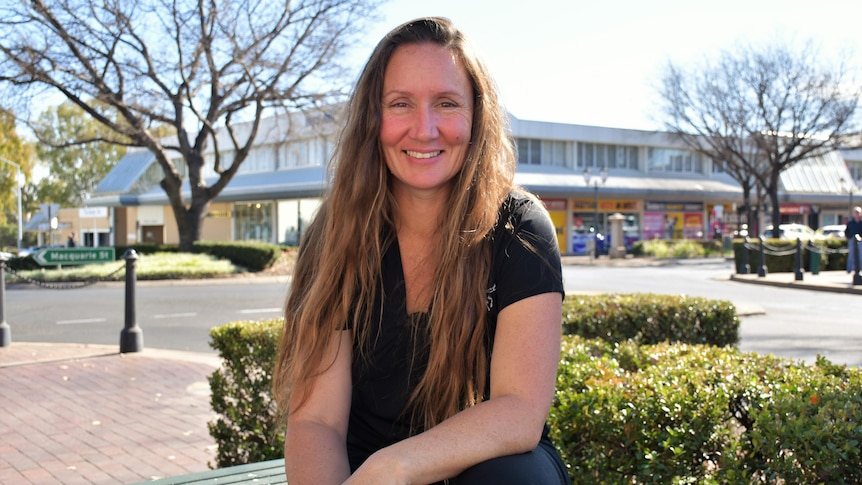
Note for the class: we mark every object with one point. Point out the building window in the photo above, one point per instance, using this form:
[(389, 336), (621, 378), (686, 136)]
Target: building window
[(671, 160), (594, 155), (554, 153), (259, 159), (304, 153), (533, 151), (294, 217), (856, 171), (529, 151), (254, 221)]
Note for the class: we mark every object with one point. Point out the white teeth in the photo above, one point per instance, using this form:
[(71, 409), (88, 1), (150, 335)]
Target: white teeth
[(423, 155)]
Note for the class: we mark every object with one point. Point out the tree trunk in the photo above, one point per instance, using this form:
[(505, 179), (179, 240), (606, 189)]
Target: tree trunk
[(776, 213), (189, 222)]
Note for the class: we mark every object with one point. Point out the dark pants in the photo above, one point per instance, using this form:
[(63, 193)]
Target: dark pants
[(542, 466)]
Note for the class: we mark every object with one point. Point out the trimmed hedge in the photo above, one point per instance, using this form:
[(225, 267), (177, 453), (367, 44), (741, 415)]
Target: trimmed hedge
[(677, 248), (246, 430), (626, 411), (683, 413), (252, 255), (648, 318)]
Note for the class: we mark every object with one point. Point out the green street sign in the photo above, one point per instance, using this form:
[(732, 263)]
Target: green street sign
[(60, 256)]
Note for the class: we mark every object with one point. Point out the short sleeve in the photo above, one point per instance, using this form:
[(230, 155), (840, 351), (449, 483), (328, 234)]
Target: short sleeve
[(525, 254)]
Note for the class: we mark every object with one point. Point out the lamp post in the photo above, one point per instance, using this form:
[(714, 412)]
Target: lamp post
[(18, 182), (587, 177), (850, 187)]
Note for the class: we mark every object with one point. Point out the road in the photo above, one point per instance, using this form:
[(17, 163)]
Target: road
[(171, 315), (794, 323)]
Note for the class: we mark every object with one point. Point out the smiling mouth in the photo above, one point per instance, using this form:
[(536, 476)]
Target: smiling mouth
[(423, 155)]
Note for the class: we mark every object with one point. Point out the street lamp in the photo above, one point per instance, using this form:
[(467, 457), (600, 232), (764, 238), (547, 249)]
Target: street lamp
[(587, 178), (18, 183), (851, 187)]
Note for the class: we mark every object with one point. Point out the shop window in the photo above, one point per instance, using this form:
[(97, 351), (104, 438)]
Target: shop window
[(253, 221)]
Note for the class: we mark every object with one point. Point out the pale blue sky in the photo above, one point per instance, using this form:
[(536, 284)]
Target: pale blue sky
[(595, 62)]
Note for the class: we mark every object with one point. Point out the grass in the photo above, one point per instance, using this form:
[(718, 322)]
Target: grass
[(158, 266)]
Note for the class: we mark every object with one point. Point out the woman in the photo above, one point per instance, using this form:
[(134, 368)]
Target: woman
[(422, 328)]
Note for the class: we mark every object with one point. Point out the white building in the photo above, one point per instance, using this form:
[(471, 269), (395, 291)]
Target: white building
[(663, 188)]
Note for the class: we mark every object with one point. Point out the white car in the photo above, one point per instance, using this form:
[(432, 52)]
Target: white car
[(793, 232), (832, 230)]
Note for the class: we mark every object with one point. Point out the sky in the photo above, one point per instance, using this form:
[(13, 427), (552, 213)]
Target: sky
[(598, 62)]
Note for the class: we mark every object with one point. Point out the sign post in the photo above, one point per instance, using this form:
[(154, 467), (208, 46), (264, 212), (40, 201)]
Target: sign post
[(64, 256)]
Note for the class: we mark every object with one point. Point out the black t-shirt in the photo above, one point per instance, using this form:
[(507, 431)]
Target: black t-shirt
[(525, 262)]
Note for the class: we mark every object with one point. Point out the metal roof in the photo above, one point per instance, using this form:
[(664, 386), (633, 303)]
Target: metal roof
[(124, 174), (822, 174), (280, 184)]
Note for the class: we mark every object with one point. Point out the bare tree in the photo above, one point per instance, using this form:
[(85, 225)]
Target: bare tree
[(197, 66), (758, 112)]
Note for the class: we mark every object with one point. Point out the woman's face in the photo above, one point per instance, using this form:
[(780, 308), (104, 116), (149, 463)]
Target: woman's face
[(427, 117)]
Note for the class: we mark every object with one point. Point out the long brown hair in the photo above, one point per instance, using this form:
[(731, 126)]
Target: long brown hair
[(337, 272)]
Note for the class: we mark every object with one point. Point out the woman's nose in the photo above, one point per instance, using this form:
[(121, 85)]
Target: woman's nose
[(425, 124)]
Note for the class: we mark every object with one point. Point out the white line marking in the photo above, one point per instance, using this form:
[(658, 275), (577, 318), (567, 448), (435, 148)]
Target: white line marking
[(175, 315), (260, 310), (82, 320)]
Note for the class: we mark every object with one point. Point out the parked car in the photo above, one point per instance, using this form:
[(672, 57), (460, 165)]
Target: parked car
[(832, 230), (792, 232), (34, 249)]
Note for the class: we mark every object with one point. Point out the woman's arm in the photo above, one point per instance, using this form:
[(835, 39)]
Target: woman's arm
[(523, 376), (315, 450)]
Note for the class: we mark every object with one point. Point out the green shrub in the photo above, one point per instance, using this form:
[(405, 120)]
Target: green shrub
[(26, 263), (803, 425), (648, 318), (688, 248), (144, 248), (677, 248), (252, 255), (700, 414), (624, 412), (658, 248), (246, 429)]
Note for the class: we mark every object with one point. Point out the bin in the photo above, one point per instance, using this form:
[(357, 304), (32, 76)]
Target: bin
[(814, 263)]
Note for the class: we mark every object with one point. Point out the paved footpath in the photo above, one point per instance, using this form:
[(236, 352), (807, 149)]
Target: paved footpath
[(85, 414)]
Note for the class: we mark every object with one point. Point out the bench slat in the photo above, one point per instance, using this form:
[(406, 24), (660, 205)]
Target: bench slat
[(263, 473)]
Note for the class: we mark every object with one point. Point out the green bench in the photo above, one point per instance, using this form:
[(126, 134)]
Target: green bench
[(263, 473)]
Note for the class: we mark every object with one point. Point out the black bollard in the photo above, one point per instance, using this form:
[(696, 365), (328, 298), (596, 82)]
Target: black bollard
[(131, 337), (5, 330), (745, 269), (761, 268), (857, 278), (798, 259)]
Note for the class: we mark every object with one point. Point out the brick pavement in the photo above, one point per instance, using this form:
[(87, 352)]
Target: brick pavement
[(83, 414)]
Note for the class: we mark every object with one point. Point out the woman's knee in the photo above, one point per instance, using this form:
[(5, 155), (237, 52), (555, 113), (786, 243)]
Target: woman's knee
[(541, 466)]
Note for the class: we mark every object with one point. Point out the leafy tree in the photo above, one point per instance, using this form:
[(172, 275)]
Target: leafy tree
[(197, 66), (759, 111), (75, 169), (13, 150)]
